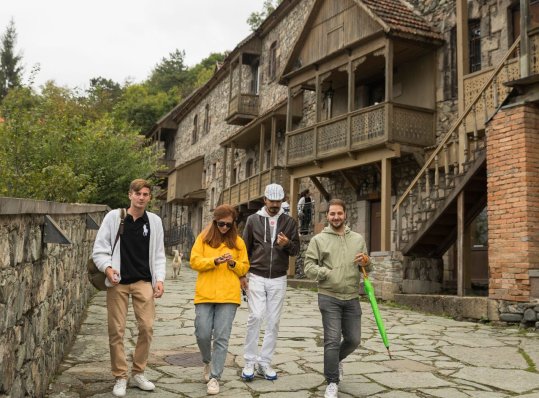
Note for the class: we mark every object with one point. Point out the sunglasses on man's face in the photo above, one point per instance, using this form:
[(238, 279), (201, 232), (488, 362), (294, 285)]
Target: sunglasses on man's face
[(224, 224)]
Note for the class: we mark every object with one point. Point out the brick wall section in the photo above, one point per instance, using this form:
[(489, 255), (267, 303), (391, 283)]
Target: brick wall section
[(513, 201)]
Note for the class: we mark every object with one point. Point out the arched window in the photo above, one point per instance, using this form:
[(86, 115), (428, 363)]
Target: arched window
[(194, 135), (272, 62), (206, 126)]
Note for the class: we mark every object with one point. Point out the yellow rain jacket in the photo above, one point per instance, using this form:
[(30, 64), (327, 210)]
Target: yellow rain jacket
[(218, 283)]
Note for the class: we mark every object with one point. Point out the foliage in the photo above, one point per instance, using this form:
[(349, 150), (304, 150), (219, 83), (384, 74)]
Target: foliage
[(10, 64), (256, 18), (142, 107), (51, 150), (70, 146)]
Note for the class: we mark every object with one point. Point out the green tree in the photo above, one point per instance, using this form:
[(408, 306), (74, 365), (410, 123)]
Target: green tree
[(142, 107), (10, 64), (171, 74), (50, 149), (256, 18), (103, 94)]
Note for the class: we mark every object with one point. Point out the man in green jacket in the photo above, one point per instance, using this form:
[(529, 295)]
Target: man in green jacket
[(334, 258)]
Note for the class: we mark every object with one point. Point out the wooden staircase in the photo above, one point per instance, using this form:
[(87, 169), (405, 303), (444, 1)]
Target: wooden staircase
[(426, 213)]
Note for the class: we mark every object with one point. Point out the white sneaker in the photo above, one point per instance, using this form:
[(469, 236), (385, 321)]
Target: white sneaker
[(119, 388), (341, 371), (143, 383), (332, 391), (248, 372), (207, 370), (266, 372), (213, 387)]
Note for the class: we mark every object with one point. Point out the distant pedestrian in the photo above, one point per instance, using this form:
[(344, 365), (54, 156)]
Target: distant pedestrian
[(220, 258), (305, 211), (333, 258), (135, 267), (271, 238), (285, 205)]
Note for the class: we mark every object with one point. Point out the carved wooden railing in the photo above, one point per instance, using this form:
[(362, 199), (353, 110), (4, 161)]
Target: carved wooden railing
[(360, 129), (436, 179), (252, 188), (245, 104)]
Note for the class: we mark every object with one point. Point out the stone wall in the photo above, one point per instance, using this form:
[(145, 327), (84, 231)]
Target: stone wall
[(43, 290)]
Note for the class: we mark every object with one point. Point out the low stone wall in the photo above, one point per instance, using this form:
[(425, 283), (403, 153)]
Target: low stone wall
[(43, 290)]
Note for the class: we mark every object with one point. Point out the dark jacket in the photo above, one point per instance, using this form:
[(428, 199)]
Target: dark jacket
[(268, 259)]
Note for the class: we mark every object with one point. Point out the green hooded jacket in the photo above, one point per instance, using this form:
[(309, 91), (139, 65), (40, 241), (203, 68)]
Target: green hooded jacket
[(329, 259)]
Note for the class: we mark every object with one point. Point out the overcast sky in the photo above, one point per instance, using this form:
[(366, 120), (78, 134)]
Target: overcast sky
[(75, 40)]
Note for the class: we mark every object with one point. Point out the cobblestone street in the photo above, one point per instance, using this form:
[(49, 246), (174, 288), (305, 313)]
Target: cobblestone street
[(432, 356)]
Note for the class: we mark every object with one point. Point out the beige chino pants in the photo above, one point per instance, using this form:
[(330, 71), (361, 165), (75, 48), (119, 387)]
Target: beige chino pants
[(144, 307)]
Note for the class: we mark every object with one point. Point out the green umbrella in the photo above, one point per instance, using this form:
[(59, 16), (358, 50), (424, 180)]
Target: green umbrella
[(379, 322)]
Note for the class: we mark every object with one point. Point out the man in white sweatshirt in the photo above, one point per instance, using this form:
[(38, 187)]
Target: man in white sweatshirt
[(133, 259), (271, 238)]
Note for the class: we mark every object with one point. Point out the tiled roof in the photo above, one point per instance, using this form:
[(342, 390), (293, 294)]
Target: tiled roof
[(399, 17)]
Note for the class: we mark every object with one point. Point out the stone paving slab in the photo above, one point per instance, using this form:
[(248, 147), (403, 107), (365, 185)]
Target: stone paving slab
[(432, 356)]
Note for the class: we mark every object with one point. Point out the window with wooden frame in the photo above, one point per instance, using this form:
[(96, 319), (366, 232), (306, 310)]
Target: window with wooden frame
[(474, 44), (272, 62), (206, 125)]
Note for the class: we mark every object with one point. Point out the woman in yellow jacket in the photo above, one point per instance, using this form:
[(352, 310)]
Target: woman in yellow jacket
[(220, 258)]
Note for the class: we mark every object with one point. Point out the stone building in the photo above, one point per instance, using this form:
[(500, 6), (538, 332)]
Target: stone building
[(420, 114)]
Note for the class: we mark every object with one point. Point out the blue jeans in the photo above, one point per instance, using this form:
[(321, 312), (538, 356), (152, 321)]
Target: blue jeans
[(339, 318), (216, 318)]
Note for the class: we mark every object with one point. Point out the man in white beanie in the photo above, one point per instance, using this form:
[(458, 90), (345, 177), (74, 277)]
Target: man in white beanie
[(271, 238)]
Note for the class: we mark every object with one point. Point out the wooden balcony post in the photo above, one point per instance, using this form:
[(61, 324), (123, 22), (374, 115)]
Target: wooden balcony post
[(389, 70), (462, 65), (351, 95), (240, 64), (225, 159), (524, 39), (385, 242), (232, 160), (389, 90), (293, 200), (273, 156), (318, 94), (289, 111), (261, 148), (463, 248)]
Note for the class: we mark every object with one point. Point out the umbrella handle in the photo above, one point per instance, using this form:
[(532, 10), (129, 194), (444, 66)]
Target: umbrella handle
[(364, 272)]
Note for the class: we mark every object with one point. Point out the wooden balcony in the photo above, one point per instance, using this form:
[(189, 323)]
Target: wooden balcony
[(362, 129), (253, 187), (242, 109)]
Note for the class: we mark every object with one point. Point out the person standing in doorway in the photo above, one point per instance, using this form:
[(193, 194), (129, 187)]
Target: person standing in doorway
[(134, 268), (271, 238), (220, 258), (333, 258)]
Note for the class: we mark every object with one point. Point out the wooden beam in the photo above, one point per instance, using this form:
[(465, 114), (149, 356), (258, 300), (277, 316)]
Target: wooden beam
[(261, 148), (320, 188), (462, 65), (460, 244), (336, 164), (350, 181), (524, 39), (385, 242), (273, 157)]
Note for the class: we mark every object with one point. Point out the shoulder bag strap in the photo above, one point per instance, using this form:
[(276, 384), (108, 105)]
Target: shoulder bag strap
[(123, 213)]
